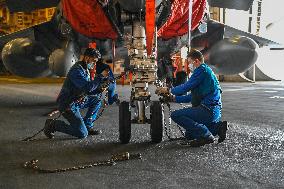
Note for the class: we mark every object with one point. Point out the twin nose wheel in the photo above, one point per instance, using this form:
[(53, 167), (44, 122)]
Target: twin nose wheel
[(156, 122)]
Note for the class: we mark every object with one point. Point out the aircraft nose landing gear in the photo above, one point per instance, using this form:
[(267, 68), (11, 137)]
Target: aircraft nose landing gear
[(144, 69)]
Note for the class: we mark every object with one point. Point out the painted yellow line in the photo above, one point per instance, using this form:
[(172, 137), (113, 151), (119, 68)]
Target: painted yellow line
[(15, 79), (18, 90)]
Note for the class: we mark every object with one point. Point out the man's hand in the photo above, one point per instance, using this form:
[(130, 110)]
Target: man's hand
[(162, 91), (167, 98), (103, 84)]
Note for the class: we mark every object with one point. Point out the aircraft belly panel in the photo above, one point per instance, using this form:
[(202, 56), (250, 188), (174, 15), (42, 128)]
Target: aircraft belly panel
[(88, 18)]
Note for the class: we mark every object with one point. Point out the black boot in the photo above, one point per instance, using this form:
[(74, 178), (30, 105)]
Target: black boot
[(186, 139), (49, 129), (92, 131), (202, 141), (222, 130)]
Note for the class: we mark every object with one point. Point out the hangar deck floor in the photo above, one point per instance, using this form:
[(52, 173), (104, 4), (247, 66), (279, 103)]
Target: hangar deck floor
[(251, 157)]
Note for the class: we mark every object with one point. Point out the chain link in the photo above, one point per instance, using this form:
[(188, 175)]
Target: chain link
[(33, 164), (164, 121), (167, 127), (170, 120), (31, 138)]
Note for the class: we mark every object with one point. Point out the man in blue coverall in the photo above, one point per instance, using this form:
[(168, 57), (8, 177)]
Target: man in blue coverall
[(79, 92), (202, 120)]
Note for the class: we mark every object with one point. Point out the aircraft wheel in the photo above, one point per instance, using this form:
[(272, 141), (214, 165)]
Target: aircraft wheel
[(124, 122), (157, 122)]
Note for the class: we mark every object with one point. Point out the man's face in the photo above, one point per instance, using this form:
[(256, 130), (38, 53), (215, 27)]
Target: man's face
[(91, 61), (192, 63)]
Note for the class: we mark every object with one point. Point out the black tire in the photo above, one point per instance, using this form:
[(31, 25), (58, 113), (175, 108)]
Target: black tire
[(157, 122), (124, 122)]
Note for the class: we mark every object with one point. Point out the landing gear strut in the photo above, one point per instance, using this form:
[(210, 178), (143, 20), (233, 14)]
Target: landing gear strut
[(144, 70)]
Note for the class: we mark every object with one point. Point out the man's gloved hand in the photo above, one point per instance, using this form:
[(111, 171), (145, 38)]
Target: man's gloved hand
[(167, 98), (104, 83), (106, 80), (162, 91), (172, 98)]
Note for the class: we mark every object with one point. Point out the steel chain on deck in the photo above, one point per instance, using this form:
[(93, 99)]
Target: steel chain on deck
[(167, 127), (170, 120), (164, 121), (33, 164)]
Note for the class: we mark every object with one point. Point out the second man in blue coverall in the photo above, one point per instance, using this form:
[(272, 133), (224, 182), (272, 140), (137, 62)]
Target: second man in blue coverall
[(202, 120), (80, 92)]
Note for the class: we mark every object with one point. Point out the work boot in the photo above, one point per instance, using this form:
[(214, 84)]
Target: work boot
[(201, 141), (222, 130), (49, 128), (185, 141), (92, 131)]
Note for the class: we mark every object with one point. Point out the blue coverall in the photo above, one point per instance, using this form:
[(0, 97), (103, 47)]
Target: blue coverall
[(200, 120), (79, 92)]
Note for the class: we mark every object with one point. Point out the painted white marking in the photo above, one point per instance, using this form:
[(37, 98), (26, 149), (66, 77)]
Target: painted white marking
[(271, 91), (253, 88), (240, 89), (278, 89), (277, 97)]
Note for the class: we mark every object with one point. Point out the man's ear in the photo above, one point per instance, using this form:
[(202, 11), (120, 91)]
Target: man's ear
[(85, 58)]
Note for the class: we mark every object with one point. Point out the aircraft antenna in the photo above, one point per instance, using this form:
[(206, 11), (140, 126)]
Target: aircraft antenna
[(190, 2), (140, 13), (258, 19)]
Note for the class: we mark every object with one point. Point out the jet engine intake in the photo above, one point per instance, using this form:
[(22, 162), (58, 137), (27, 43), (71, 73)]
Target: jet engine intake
[(233, 55), (26, 58)]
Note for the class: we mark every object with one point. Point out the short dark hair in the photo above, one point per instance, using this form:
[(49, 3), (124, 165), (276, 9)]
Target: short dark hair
[(195, 54), (91, 52), (100, 67)]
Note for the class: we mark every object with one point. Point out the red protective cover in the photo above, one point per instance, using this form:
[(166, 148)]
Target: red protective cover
[(177, 24), (150, 24), (88, 18)]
